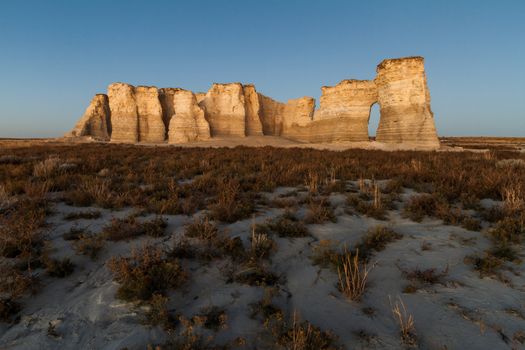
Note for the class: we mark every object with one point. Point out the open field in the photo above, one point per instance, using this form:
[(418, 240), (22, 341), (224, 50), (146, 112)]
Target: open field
[(510, 143), (447, 143), (106, 246)]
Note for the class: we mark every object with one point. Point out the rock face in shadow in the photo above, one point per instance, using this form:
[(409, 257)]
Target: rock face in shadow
[(188, 123), (404, 98), (166, 102), (297, 117), (147, 114), (96, 120), (124, 116), (225, 110), (271, 113)]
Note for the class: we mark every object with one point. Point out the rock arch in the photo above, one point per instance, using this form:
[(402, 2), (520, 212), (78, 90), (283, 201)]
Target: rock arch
[(374, 117)]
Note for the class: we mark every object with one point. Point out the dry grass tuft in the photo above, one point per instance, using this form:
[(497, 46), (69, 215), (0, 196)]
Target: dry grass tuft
[(47, 167), (202, 228), (405, 321), (353, 276), (513, 197), (261, 244), (311, 182), (231, 203), (305, 336)]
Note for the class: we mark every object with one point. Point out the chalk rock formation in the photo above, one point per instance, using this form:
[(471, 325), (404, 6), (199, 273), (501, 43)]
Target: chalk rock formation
[(96, 120), (326, 130), (151, 126), (298, 112), (147, 114), (350, 100), (200, 96), (166, 102), (271, 113), (188, 123), (404, 98), (124, 117), (253, 125), (224, 109)]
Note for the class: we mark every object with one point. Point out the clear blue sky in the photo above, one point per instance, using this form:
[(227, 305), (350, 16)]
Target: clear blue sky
[(55, 55)]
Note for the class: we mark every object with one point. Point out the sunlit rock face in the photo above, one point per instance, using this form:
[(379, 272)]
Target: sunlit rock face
[(151, 126), (252, 109), (224, 109), (147, 114), (124, 116), (187, 123), (200, 96), (96, 120), (136, 114), (404, 99), (350, 100)]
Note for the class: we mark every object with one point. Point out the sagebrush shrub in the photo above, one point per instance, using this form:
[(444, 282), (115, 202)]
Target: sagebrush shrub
[(59, 268), (146, 272), (376, 239), (202, 228), (287, 225), (130, 227), (319, 211), (8, 309), (510, 229), (419, 206)]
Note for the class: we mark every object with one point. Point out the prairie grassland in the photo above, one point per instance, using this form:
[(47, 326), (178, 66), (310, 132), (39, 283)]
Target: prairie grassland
[(121, 246)]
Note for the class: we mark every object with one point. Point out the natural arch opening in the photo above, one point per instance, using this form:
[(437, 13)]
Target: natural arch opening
[(373, 121)]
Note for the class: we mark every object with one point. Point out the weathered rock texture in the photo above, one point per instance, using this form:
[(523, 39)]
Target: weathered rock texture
[(124, 117), (200, 96), (149, 110), (271, 115), (136, 114), (95, 121), (404, 98), (187, 124), (147, 114), (225, 110), (350, 100), (166, 102), (253, 125)]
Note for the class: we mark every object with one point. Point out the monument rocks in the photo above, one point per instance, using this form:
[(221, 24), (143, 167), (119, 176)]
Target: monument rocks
[(146, 114)]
